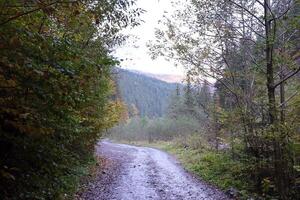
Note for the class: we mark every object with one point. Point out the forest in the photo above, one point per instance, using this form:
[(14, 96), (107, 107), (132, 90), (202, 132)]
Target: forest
[(56, 90), (233, 121), (143, 95), (236, 122)]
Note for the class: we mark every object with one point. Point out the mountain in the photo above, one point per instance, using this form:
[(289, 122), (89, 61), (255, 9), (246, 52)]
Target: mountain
[(148, 95), (169, 78)]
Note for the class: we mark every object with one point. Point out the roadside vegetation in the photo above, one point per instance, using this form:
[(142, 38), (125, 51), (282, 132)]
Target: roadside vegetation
[(216, 168), (236, 123), (250, 49), (56, 91), (187, 136)]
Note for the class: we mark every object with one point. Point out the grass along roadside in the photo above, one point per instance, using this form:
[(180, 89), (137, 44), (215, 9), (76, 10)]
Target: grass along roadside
[(216, 168)]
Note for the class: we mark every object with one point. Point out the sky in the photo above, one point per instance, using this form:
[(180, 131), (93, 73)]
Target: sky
[(135, 53)]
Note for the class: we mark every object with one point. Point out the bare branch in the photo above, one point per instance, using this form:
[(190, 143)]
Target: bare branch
[(284, 13), (248, 11), (261, 3), (288, 99), (287, 77)]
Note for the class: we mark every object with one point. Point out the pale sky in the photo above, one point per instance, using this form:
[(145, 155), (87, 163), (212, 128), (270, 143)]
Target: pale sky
[(135, 53)]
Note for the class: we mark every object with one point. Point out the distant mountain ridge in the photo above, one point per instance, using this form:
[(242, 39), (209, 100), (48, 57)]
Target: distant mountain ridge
[(169, 78), (149, 95)]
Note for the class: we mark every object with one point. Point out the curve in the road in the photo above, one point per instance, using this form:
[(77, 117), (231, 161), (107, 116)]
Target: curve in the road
[(142, 173)]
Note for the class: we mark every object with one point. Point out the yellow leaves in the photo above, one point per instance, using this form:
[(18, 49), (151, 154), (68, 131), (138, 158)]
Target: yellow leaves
[(112, 114), (11, 83), (115, 110), (7, 83)]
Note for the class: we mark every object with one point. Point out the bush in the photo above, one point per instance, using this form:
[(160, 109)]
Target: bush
[(55, 91), (137, 129)]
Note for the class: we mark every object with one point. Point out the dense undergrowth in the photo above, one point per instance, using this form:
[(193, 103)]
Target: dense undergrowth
[(56, 91), (219, 168)]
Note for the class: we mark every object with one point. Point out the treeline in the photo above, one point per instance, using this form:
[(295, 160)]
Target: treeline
[(184, 116), (55, 91), (143, 95), (250, 49)]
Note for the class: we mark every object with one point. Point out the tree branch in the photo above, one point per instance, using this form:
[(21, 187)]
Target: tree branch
[(32, 11), (248, 11), (287, 77), (292, 96), (285, 12)]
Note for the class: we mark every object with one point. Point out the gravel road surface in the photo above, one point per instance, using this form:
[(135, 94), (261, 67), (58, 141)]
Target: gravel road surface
[(142, 173)]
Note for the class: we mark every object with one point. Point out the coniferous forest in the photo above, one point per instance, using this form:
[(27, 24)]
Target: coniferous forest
[(143, 95), (233, 121)]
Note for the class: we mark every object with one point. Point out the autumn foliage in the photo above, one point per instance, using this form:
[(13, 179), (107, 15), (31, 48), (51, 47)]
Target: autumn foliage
[(55, 90)]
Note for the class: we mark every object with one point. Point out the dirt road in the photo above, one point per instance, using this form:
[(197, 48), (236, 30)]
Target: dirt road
[(141, 173)]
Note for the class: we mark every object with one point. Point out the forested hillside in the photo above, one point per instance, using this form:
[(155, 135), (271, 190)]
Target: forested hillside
[(143, 95)]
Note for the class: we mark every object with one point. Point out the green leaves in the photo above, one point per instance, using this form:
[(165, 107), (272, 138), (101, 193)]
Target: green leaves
[(55, 89)]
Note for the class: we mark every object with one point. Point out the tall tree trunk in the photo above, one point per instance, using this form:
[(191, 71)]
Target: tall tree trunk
[(282, 97), (270, 67), (279, 168)]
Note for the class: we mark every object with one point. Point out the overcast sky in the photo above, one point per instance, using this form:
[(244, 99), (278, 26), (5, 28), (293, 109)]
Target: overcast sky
[(135, 52)]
